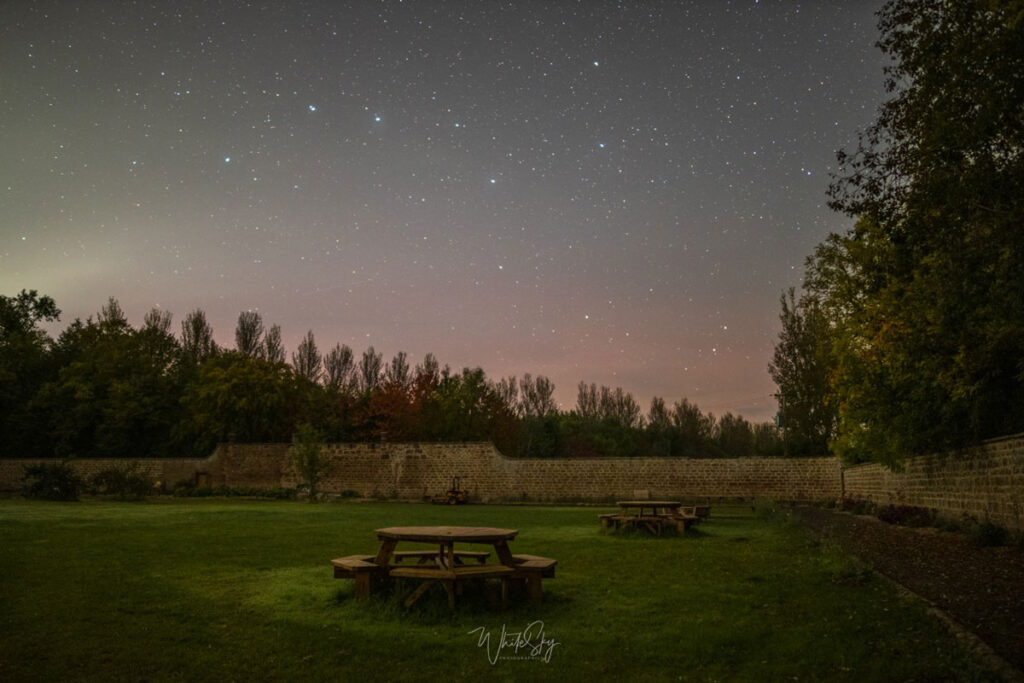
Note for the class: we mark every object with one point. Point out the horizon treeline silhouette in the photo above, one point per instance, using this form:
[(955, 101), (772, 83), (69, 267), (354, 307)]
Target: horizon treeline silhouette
[(104, 388)]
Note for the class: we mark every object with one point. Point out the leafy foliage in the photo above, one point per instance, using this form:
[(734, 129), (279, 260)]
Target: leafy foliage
[(52, 481), (307, 455), (924, 343), (125, 482), (109, 390)]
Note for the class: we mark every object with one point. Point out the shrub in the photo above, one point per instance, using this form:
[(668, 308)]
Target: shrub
[(307, 457), (124, 482), (858, 506), (907, 515), (990, 534), (56, 481), (188, 489)]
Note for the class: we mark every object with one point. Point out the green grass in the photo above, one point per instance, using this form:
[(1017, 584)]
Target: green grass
[(243, 590)]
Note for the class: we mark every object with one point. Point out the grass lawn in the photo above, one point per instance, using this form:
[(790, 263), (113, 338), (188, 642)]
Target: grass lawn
[(172, 589)]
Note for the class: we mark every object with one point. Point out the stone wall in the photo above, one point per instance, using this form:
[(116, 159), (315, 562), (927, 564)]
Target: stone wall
[(167, 471), (986, 483), (414, 471)]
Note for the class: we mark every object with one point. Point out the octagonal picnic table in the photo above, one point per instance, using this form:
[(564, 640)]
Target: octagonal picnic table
[(652, 515), (445, 564)]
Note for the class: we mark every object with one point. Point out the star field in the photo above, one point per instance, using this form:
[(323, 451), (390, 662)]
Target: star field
[(609, 192)]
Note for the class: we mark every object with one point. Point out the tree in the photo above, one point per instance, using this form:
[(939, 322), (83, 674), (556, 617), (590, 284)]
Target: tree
[(21, 315), (801, 368), (117, 393), (158, 321), (370, 370), (536, 396), (693, 428), (26, 364), (397, 372), (586, 401), (307, 360), (197, 342), (931, 354), (734, 436), (340, 367), (273, 350), (307, 457), (238, 398), (249, 334), (508, 390)]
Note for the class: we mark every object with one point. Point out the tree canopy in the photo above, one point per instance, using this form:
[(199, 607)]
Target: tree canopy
[(922, 297), (104, 388)]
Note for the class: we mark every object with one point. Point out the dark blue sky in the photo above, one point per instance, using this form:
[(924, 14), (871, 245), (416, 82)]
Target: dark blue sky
[(609, 192)]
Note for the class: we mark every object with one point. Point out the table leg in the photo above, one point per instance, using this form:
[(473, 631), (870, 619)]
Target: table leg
[(504, 554), (384, 554), (417, 593)]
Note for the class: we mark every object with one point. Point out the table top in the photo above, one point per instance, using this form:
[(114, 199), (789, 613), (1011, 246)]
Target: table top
[(649, 504), (443, 534)]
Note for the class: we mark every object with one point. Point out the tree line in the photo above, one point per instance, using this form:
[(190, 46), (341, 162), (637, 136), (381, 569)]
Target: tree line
[(104, 388), (908, 334)]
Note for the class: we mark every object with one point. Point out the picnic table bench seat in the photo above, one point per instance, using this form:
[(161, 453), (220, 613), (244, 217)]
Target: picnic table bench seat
[(425, 556), (530, 570), (358, 567), (450, 579)]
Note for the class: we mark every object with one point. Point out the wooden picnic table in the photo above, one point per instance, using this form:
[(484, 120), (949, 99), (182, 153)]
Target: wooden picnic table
[(652, 515), (445, 564)]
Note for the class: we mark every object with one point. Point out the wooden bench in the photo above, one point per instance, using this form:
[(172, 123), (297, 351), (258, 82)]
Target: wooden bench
[(684, 521), (531, 569), (358, 567), (700, 511), (652, 523), (425, 556), (450, 579)]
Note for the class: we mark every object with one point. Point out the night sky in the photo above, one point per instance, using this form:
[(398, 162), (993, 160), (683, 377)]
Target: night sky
[(610, 192)]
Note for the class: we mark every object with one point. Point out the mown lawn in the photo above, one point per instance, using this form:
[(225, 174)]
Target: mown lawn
[(222, 590)]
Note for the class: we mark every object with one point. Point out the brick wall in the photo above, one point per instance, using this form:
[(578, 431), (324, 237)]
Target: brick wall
[(986, 483)]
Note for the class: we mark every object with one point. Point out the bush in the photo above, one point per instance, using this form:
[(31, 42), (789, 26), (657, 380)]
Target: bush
[(907, 515), (858, 506), (990, 534), (188, 489), (124, 482), (57, 481)]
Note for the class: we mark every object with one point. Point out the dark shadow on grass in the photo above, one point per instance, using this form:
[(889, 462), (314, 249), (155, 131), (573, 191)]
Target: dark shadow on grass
[(432, 607)]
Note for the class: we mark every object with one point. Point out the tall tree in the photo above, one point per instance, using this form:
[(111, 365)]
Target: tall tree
[(931, 356), (158, 321), (273, 349), (370, 370), (536, 396), (587, 401), (249, 334), (197, 342), (397, 372), (307, 360), (25, 366), (340, 367), (801, 368)]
